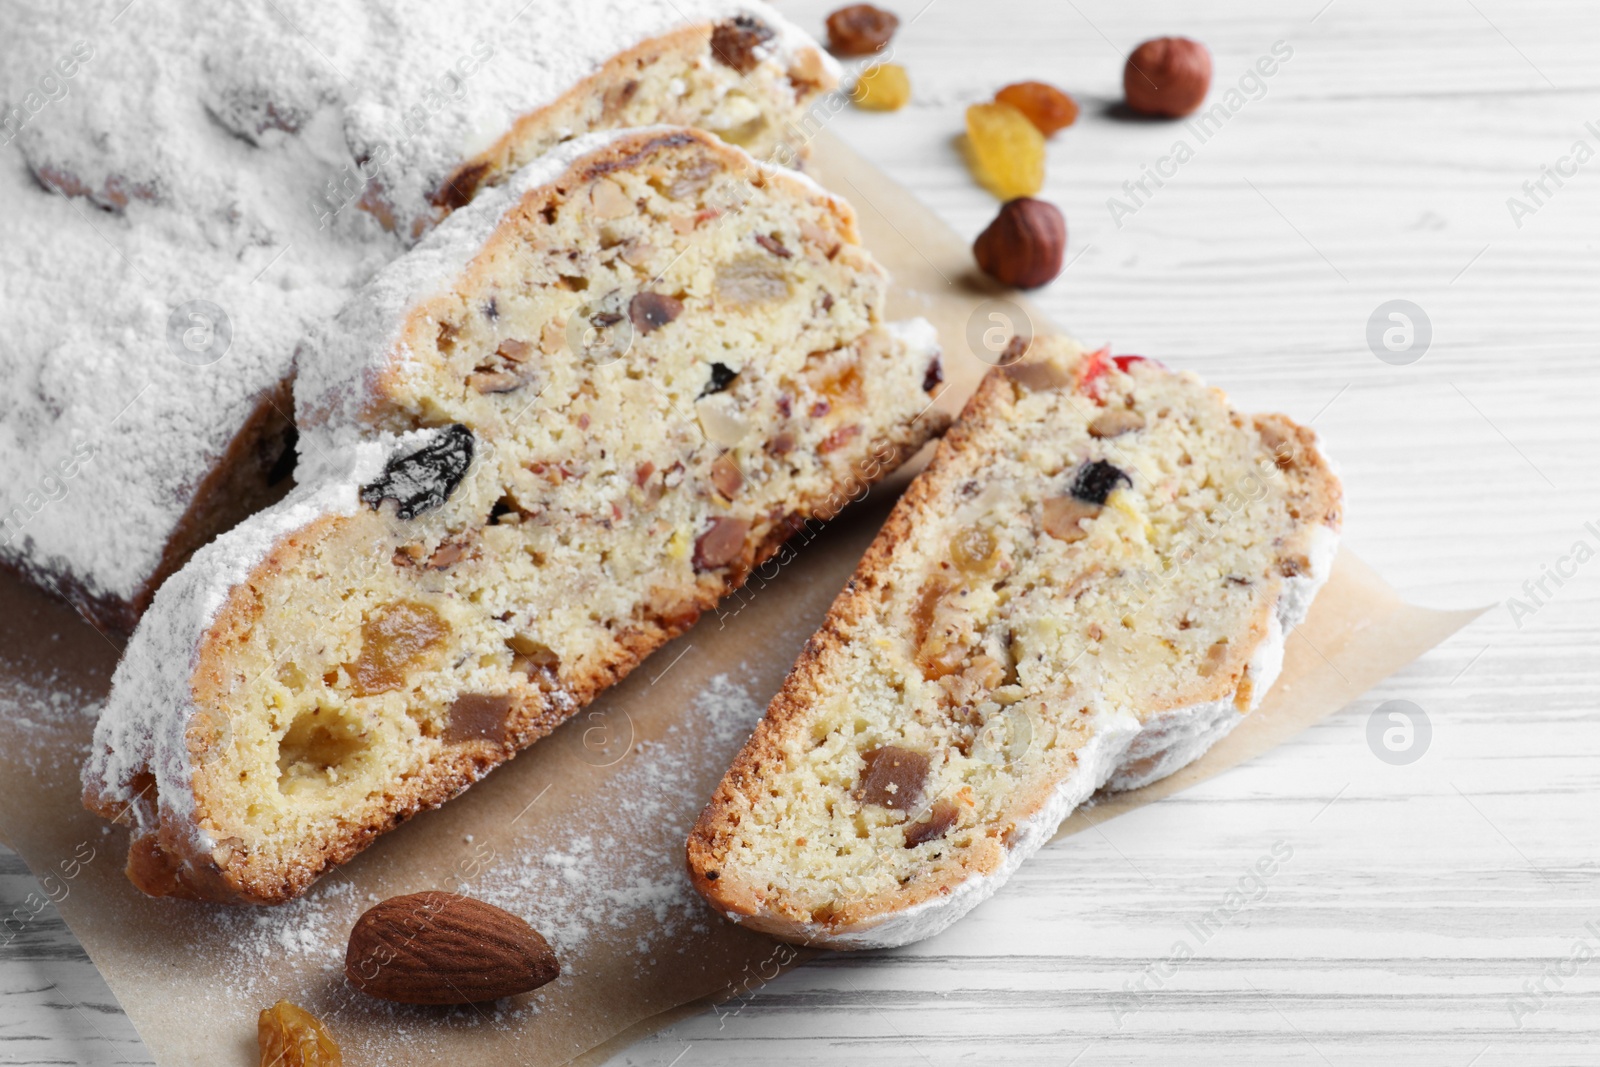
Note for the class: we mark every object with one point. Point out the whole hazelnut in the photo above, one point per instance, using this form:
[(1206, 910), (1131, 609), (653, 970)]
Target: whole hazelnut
[(1167, 77), (1025, 245)]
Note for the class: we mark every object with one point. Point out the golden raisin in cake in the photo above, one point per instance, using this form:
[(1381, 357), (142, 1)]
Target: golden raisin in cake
[(185, 197), (1089, 585), (537, 447)]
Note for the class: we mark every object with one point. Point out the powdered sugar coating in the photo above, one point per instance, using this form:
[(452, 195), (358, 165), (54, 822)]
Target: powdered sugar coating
[(216, 159), (410, 87), (85, 318)]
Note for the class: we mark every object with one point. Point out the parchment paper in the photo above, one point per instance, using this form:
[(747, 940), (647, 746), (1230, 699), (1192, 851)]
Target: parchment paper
[(583, 833)]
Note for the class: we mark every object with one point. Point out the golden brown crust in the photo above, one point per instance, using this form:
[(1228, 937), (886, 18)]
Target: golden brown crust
[(1315, 496), (601, 90)]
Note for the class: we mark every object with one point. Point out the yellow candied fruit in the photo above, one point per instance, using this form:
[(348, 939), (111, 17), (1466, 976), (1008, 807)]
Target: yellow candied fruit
[(678, 547), (1133, 509), (882, 87), (1007, 150)]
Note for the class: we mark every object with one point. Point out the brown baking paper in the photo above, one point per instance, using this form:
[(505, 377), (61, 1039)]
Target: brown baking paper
[(583, 833)]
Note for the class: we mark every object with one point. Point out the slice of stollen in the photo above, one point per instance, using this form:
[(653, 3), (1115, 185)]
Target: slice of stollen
[(534, 450), (1089, 586)]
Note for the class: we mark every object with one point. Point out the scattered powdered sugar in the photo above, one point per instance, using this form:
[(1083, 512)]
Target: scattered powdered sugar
[(628, 863), (47, 718), (608, 880), (44, 702)]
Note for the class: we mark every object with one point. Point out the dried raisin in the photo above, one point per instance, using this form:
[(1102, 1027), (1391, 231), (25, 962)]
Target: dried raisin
[(1096, 480), (882, 87), (860, 29), (424, 479), (292, 1037), (722, 376), (736, 43), (973, 548), (1007, 150), (1047, 107)]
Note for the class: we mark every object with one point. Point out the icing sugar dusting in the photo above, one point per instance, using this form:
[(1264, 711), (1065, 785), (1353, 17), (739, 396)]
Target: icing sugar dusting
[(629, 861), (603, 884), (219, 159)]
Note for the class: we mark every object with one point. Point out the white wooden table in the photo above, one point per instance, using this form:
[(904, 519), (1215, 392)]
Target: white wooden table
[(1443, 911)]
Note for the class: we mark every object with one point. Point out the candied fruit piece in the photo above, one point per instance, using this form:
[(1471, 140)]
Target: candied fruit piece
[(882, 87), (843, 388), (892, 777), (926, 607), (941, 817), (650, 311), (750, 281), (721, 544), (1007, 150), (1045, 106), (860, 29), (478, 717), (290, 1036), (939, 652), (393, 640)]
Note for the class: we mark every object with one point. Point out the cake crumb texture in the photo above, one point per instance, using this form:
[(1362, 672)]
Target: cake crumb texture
[(1092, 579)]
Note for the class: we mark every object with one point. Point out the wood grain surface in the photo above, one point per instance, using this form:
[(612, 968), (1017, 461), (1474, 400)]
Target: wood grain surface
[(1441, 911)]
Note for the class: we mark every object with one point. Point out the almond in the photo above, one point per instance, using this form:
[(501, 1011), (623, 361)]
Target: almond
[(443, 948)]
